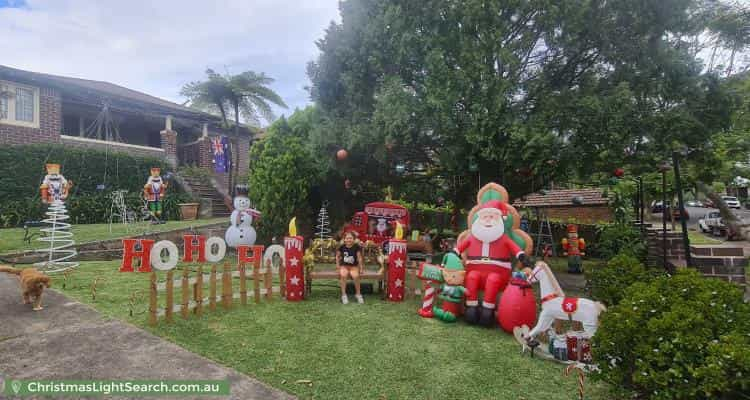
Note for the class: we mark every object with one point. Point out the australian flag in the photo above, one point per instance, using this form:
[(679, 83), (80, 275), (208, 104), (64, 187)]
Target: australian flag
[(222, 154)]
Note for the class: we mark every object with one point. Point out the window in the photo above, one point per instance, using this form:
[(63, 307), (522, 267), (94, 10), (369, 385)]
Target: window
[(24, 105), (4, 95), (19, 105)]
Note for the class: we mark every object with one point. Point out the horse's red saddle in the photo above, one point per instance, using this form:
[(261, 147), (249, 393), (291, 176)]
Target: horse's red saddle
[(570, 305)]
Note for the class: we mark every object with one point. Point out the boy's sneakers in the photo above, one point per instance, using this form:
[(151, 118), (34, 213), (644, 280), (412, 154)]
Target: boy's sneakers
[(360, 299), (344, 299)]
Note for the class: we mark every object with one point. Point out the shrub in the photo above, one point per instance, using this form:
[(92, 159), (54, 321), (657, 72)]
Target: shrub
[(614, 239), (607, 283), (281, 174), (22, 169), (679, 337)]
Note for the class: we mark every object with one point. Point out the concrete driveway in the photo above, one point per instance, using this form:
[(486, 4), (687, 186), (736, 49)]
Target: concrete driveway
[(69, 340)]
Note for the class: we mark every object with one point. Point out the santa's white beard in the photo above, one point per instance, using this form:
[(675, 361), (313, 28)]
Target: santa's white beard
[(487, 234)]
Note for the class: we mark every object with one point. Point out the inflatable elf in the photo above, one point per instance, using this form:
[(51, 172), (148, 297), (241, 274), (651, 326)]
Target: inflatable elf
[(451, 290), (153, 192), (573, 247), (492, 242), (54, 187)]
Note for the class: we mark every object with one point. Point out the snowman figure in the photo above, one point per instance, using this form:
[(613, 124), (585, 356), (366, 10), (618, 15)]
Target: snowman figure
[(241, 230)]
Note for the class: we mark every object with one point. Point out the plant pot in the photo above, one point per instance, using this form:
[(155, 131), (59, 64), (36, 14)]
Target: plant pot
[(188, 211)]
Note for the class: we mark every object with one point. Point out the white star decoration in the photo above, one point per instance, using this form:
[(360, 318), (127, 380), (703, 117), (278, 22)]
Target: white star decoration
[(399, 263), (390, 295), (294, 280), (294, 261), (398, 282), (569, 306), (300, 294)]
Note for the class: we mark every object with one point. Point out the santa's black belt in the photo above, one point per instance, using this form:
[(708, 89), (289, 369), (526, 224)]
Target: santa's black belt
[(489, 259)]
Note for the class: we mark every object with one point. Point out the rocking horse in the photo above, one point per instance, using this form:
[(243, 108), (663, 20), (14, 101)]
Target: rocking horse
[(556, 306)]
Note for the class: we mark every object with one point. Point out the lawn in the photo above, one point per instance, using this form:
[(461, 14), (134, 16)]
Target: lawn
[(11, 239), (320, 348), (699, 238)]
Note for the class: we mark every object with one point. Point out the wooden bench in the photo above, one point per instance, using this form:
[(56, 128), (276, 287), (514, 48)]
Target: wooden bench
[(324, 252)]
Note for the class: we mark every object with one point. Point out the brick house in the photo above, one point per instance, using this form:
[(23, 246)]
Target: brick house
[(43, 108), (575, 205)]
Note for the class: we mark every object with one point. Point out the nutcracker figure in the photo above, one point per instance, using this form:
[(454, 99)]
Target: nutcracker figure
[(451, 290), (493, 240), (153, 192), (54, 187), (573, 247)]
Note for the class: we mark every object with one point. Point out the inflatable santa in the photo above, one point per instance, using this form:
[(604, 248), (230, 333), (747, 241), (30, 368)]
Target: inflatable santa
[(492, 242)]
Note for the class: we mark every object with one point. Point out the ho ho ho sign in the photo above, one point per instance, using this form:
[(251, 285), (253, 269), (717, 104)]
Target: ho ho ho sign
[(209, 250)]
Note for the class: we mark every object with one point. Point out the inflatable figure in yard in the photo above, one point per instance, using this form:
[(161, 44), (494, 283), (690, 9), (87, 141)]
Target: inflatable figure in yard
[(241, 230), (54, 186), (153, 192), (451, 291), (573, 247), (494, 238)]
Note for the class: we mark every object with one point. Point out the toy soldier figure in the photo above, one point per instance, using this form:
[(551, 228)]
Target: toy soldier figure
[(573, 247), (153, 192), (54, 186)]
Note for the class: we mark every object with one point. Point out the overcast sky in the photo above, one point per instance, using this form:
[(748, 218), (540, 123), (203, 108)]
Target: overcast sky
[(157, 46)]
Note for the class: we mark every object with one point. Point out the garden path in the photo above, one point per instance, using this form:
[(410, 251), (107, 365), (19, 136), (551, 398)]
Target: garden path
[(69, 340)]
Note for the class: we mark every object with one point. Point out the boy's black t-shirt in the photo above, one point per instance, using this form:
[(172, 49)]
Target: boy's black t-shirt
[(349, 254)]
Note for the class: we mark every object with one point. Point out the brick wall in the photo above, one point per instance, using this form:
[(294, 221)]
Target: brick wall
[(50, 122), (169, 145), (720, 262), (581, 214), (243, 163)]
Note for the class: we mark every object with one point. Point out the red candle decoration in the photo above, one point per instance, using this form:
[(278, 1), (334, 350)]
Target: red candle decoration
[(396, 265), (295, 273)]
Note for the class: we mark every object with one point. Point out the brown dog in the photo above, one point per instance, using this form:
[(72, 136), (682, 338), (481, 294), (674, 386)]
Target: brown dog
[(33, 283)]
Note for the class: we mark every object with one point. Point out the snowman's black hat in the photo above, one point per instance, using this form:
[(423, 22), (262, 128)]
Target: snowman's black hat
[(241, 190)]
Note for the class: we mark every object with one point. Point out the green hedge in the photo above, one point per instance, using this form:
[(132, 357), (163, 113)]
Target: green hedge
[(22, 170), (679, 337)]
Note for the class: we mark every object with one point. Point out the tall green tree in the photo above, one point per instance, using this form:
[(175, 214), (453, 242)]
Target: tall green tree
[(528, 91)]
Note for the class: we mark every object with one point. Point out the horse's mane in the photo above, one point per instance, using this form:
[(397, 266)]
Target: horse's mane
[(555, 285)]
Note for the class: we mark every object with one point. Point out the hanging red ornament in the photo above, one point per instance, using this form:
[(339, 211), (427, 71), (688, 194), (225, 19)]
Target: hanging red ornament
[(619, 172), (342, 154), (347, 184)]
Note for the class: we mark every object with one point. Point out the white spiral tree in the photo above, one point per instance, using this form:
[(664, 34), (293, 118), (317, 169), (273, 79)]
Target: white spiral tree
[(60, 250)]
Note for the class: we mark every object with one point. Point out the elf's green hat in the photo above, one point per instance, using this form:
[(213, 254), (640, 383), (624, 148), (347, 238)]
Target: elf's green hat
[(452, 262)]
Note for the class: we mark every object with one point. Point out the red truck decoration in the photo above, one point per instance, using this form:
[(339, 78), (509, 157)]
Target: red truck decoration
[(378, 221)]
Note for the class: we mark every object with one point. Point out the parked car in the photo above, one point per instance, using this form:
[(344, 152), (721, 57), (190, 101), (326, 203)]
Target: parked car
[(694, 203), (731, 202), (657, 208), (713, 224)]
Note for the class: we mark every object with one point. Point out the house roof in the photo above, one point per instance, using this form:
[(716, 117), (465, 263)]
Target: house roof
[(96, 92), (562, 198)]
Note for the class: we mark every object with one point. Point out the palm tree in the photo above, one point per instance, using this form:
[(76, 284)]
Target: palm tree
[(246, 94)]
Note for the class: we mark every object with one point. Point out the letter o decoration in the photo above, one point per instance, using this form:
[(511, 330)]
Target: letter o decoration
[(222, 251), (172, 251)]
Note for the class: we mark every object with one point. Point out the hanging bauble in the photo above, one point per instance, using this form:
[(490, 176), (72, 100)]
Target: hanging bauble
[(342, 154), (619, 172)]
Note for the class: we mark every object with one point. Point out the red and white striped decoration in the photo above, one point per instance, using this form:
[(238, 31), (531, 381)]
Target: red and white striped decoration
[(427, 301)]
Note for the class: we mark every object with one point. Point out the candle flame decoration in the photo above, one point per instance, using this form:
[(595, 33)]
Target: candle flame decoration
[(293, 227), (399, 231)]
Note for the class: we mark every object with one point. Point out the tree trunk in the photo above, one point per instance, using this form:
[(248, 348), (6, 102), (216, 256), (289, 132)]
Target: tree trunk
[(730, 220)]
